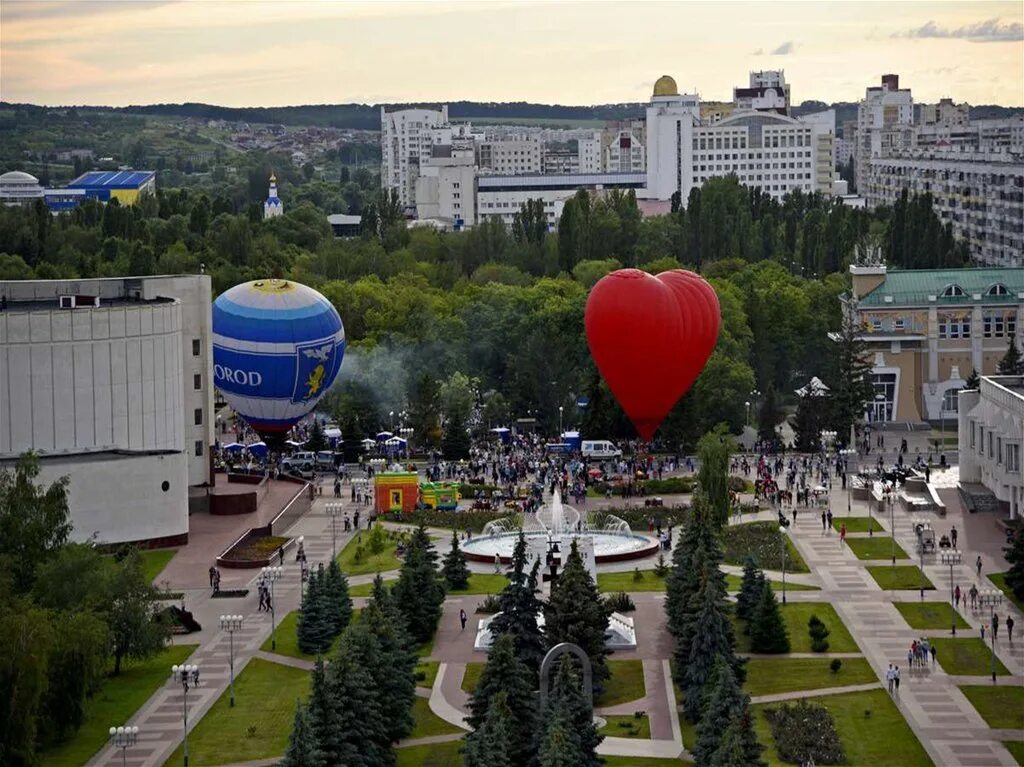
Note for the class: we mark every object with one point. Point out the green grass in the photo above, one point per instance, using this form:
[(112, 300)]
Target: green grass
[(154, 561), (429, 669), (762, 541), (115, 702), (432, 755), (611, 583), (383, 562), (427, 724), (265, 695), (999, 579), (483, 583), (471, 677), (366, 589), (626, 683), (627, 726), (1016, 749), (642, 761), (732, 583), (929, 615), (969, 656), (900, 577), (858, 524), (288, 639), (796, 615), (882, 739), (770, 677), (1001, 707), (879, 547)]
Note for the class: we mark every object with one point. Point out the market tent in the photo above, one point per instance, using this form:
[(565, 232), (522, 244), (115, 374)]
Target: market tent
[(258, 449), (234, 447)]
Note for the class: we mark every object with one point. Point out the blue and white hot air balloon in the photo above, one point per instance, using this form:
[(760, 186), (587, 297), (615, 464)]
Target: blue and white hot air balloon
[(277, 348)]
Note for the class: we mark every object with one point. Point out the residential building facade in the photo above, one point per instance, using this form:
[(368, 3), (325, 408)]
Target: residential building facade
[(406, 136), (991, 429)]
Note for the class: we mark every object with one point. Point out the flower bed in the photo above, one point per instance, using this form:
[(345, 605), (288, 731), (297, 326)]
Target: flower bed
[(763, 542), (805, 731), (254, 549)]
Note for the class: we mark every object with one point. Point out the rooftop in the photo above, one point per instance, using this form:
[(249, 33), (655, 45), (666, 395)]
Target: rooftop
[(113, 179), (917, 286), (563, 181)]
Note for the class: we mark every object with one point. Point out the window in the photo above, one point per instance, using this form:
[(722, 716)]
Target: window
[(195, 347), (998, 290), (953, 290), (999, 451), (954, 327), (999, 324), (972, 435), (198, 415), (1012, 456), (950, 401), (199, 447), (876, 325), (197, 381), (990, 440)]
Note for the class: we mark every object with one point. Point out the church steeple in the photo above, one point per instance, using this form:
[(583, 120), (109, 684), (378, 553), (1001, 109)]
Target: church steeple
[(273, 206)]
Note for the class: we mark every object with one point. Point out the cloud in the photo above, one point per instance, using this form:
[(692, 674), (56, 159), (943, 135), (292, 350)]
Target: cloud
[(785, 49), (758, 52), (990, 31)]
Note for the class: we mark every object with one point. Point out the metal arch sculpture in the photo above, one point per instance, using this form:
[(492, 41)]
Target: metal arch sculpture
[(545, 670)]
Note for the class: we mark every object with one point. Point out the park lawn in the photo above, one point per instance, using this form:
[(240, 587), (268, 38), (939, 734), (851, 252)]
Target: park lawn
[(770, 677), (999, 579), (882, 739), (383, 562), (1001, 707), (471, 677), (858, 524), (969, 656), (427, 724), (900, 577), (429, 670), (445, 754), (879, 547), (288, 638), (626, 683), (366, 589), (642, 761), (114, 703), (796, 615), (627, 581), (154, 561), (483, 583), (929, 615), (265, 695), (733, 583), (1016, 749), (626, 726)]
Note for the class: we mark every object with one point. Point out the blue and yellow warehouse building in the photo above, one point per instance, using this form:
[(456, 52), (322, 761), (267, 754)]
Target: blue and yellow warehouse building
[(125, 186)]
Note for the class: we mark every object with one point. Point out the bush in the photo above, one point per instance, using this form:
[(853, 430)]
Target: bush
[(661, 566), (819, 633), (637, 517), (805, 731), (490, 605), (670, 486), (740, 485), (620, 602), (637, 575), (835, 665), (451, 520)]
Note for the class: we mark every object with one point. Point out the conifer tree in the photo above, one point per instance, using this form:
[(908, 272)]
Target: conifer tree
[(520, 608), (573, 708), (738, 745), (723, 700), (490, 744), (361, 734), (973, 380), (768, 633), (750, 589), (314, 627), (303, 750), (324, 719), (560, 743), (454, 568), (419, 592), (1010, 364), (395, 671), (505, 673), (338, 604), (1014, 554), (576, 613)]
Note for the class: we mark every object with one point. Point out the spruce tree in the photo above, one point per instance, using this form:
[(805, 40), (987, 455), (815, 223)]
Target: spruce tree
[(303, 749), (317, 441), (560, 744), (973, 380), (338, 604), (750, 589), (520, 608), (1010, 364), (768, 417), (569, 704), (738, 746), (504, 673), (395, 670), (1014, 554), (490, 744), (809, 422), (768, 633), (850, 375), (361, 733), (454, 568), (576, 613), (419, 592), (324, 719), (314, 627), (723, 700)]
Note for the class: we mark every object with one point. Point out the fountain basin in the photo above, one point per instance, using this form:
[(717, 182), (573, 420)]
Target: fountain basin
[(608, 547)]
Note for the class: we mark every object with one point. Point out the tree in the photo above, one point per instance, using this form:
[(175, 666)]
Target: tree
[(1010, 364), (75, 665), (768, 633), (519, 608), (973, 380), (697, 547), (576, 613), (530, 224), (25, 635), (419, 592), (316, 441), (455, 441), (569, 736), (723, 701), (489, 745), (768, 416), (809, 422), (324, 718), (851, 386), (454, 568), (338, 604), (506, 676), (738, 746), (394, 672), (314, 628), (713, 451), (751, 587), (303, 749), (34, 520), (361, 738), (134, 630), (1014, 554)]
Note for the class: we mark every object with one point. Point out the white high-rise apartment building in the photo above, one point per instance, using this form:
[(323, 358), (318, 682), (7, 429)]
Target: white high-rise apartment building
[(767, 92), (884, 121), (512, 156), (589, 152), (406, 137)]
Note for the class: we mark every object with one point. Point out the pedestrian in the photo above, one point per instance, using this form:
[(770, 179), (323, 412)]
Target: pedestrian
[(216, 581), (828, 516), (270, 606), (956, 596), (890, 678), (212, 571), (462, 619), (952, 536), (995, 627), (1009, 628), (842, 534), (896, 679), (497, 563), (280, 556), (982, 632), (823, 520), (933, 651), (974, 596), (977, 563)]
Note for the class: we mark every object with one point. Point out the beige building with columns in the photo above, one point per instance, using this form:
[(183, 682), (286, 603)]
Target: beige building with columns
[(927, 329)]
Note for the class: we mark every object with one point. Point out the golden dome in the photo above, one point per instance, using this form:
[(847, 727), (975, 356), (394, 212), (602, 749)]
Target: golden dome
[(665, 86)]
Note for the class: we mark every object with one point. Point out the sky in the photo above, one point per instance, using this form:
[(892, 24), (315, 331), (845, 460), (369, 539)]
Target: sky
[(257, 53)]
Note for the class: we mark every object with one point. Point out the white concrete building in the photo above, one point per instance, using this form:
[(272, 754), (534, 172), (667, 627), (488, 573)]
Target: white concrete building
[(110, 381), (588, 152), (406, 136), (273, 207), (991, 428), (502, 196), (446, 187), (767, 91), (623, 151), (510, 157), (19, 188), (884, 120)]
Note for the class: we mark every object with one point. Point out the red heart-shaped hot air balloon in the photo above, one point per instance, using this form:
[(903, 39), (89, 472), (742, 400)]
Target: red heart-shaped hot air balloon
[(651, 337)]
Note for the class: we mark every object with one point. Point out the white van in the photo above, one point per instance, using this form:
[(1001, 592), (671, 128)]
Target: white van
[(600, 448), (295, 461)]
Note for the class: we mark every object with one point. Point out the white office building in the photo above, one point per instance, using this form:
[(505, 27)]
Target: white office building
[(589, 154), (885, 118), (767, 91), (446, 187), (510, 157), (110, 382), (502, 196), (991, 428), (19, 188), (406, 136)]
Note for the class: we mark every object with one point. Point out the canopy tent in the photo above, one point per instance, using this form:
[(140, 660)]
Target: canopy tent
[(234, 447), (500, 430), (395, 442), (384, 435), (258, 449), (332, 433), (814, 388), (369, 442), (293, 443)]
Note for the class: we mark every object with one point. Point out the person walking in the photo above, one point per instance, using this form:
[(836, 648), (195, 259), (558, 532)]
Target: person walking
[(280, 556), (213, 570), (933, 651), (462, 619), (956, 596), (974, 596), (1009, 628), (890, 678), (977, 563), (842, 534), (823, 521), (982, 632), (953, 535), (995, 627), (896, 679), (828, 516)]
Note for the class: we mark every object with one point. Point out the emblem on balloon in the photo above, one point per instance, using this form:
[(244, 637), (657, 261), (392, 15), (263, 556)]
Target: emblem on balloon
[(651, 336)]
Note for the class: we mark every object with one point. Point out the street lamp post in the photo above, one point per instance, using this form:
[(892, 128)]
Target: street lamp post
[(391, 415), (782, 529), (188, 677), (123, 738), (920, 527), (560, 409), (272, 574), (231, 624), (333, 510), (747, 406), (952, 557), (991, 597)]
